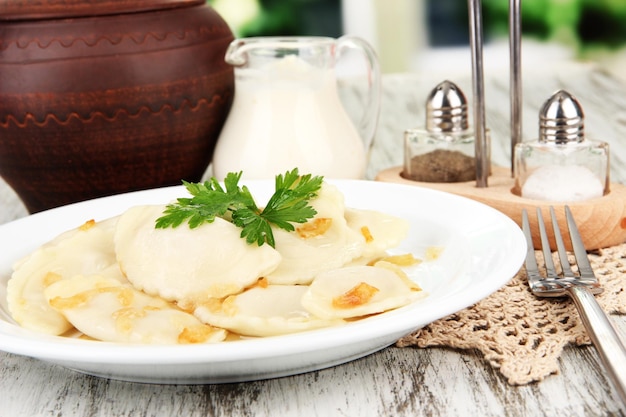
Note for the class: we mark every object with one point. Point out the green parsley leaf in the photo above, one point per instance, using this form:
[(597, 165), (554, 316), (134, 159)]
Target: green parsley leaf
[(289, 204), (290, 201)]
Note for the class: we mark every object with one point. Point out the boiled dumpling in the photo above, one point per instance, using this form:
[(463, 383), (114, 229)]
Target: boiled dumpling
[(263, 311), (187, 265), (381, 231), (82, 251), (356, 291), (107, 310), (323, 243)]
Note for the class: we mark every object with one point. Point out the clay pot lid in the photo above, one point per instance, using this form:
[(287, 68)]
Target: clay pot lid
[(51, 9)]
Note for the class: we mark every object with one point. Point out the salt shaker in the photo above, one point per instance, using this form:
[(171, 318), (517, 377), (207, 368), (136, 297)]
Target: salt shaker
[(562, 165), (443, 151)]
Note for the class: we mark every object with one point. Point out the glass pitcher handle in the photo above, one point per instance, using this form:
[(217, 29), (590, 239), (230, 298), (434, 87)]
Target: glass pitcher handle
[(368, 122)]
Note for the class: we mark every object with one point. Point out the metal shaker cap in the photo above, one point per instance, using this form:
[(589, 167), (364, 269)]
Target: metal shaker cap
[(561, 119), (446, 109)]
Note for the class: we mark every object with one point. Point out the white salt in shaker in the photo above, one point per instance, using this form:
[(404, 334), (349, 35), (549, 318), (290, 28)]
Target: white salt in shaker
[(562, 165)]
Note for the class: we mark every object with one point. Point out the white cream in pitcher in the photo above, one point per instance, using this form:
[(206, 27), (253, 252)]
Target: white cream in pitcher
[(287, 112)]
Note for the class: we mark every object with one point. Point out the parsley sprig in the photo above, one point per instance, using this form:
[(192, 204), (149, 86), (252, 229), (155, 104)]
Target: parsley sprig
[(289, 204)]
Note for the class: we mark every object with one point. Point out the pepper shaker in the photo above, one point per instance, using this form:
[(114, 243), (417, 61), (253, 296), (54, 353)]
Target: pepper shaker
[(443, 151), (562, 165)]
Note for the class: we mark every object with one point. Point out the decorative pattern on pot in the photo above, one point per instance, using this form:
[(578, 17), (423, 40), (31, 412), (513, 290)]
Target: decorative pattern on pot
[(101, 104)]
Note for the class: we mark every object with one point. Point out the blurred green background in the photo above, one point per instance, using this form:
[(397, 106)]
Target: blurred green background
[(581, 24), (281, 17), (405, 32), (585, 25)]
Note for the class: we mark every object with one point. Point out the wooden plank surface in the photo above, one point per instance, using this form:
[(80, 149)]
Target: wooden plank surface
[(394, 381)]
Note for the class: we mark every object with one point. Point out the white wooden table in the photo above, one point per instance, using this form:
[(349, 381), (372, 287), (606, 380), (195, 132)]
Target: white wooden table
[(394, 381)]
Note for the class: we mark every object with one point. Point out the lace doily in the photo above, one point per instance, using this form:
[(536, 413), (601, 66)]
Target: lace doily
[(523, 335)]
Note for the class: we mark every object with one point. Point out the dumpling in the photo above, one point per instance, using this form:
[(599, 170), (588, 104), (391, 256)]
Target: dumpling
[(85, 250), (356, 291), (107, 310), (263, 311), (381, 231), (187, 265), (323, 243)]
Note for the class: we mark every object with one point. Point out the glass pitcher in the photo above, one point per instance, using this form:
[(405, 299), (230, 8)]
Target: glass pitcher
[(287, 113)]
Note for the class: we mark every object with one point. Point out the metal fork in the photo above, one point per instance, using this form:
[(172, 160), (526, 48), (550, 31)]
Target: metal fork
[(580, 287)]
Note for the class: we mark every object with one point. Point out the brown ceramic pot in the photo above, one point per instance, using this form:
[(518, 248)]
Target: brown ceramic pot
[(99, 97)]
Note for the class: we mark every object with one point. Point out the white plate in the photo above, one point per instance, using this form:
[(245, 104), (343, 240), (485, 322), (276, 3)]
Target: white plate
[(483, 251)]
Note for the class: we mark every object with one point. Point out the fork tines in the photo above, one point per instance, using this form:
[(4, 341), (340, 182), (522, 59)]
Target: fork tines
[(554, 284), (580, 287)]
